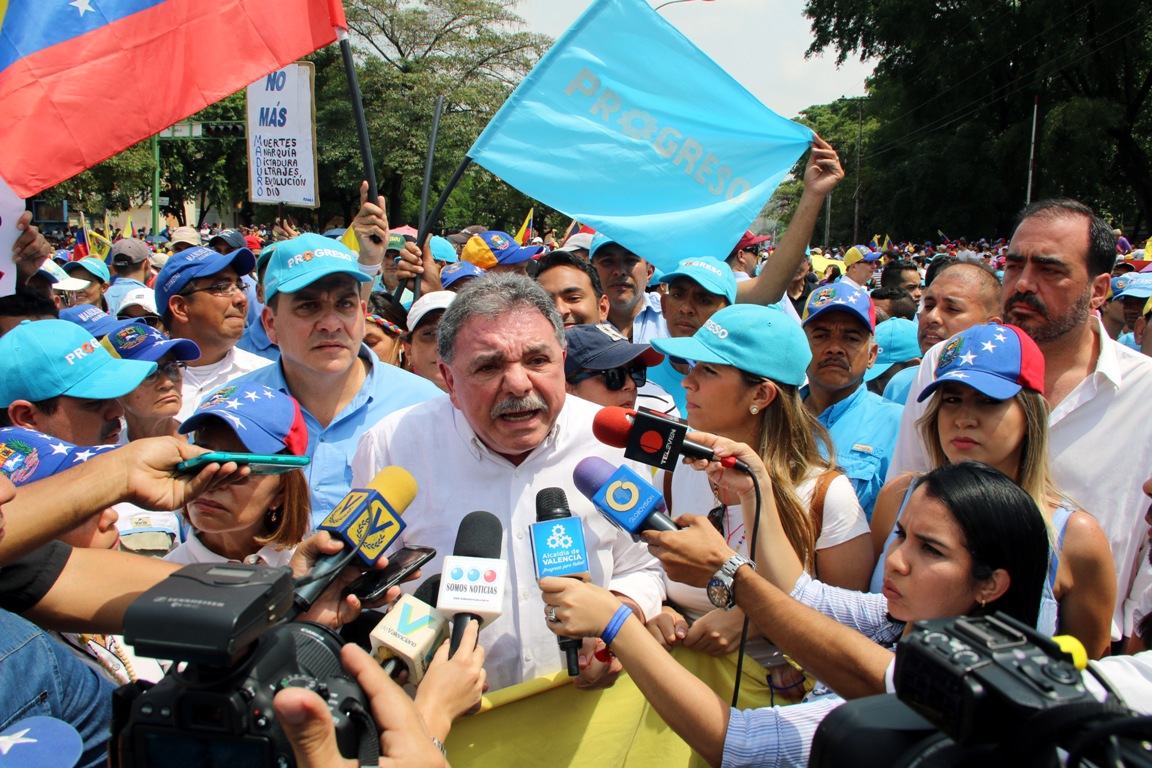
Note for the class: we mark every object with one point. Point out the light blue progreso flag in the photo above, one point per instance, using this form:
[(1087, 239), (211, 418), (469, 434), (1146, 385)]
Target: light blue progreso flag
[(629, 128)]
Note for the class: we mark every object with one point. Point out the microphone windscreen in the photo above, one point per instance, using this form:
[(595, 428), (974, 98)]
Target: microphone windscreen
[(480, 535), (397, 485), (612, 425), (591, 474), (429, 590), (552, 503)]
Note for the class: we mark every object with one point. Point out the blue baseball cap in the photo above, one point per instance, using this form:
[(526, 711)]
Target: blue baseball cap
[(458, 271), (27, 455), (1139, 287), (266, 420), (995, 360), (92, 319), (711, 274), (841, 297), (91, 264), (301, 261), (488, 249), (139, 341), (443, 250), (600, 239), (896, 338), (760, 340), (49, 358), (184, 267)]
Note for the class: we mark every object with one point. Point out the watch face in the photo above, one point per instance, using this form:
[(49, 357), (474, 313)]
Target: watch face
[(719, 593)]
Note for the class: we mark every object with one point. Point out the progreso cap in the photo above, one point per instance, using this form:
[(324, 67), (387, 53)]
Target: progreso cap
[(27, 456), (92, 265), (442, 250), (712, 275), (859, 253), (184, 267), (760, 340), (266, 420), (995, 360), (139, 341), (488, 249), (48, 358), (896, 339), (601, 347), (841, 297), (301, 261)]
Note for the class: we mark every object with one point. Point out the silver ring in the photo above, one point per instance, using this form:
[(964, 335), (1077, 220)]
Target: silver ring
[(551, 614)]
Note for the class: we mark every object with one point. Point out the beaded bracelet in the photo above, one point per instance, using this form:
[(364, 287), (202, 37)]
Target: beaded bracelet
[(618, 619)]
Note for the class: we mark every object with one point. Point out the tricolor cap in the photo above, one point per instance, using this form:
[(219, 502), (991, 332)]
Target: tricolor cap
[(458, 271), (48, 358), (92, 265), (61, 280), (896, 339), (184, 267), (301, 261), (859, 253), (488, 249), (92, 319), (1118, 284), (139, 341), (442, 250), (841, 297), (711, 274), (601, 347), (266, 420), (995, 360), (759, 340), (27, 455), (1140, 287)]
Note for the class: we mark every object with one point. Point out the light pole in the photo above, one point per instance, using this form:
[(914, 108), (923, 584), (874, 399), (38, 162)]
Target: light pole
[(673, 2)]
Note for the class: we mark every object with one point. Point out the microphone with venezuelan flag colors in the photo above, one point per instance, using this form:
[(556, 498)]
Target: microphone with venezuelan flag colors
[(367, 521)]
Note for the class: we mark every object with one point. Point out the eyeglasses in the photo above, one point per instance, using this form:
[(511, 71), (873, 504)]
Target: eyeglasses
[(173, 370), (152, 321), (614, 377), (223, 289)]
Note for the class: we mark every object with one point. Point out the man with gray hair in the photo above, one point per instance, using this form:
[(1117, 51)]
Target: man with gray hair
[(505, 431)]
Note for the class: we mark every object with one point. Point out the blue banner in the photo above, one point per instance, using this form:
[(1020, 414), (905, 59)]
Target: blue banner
[(629, 128)]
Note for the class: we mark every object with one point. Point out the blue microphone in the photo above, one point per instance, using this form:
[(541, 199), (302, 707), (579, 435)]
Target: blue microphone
[(623, 496), (558, 549)]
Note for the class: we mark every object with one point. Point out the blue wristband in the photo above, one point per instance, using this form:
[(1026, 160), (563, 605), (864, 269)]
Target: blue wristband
[(618, 619)]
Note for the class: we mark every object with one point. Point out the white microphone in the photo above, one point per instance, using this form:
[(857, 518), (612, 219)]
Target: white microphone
[(474, 578), (410, 634)]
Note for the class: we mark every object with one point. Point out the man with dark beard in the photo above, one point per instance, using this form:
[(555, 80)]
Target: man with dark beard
[(506, 431), (1056, 275)]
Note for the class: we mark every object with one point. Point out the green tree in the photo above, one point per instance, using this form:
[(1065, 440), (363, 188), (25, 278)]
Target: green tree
[(953, 92)]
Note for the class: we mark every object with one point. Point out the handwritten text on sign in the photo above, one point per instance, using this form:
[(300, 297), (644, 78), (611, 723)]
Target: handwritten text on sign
[(282, 137)]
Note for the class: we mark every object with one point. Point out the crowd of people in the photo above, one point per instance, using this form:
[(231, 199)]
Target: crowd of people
[(925, 430)]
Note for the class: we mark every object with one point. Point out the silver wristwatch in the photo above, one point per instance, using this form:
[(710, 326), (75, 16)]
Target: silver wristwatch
[(720, 590)]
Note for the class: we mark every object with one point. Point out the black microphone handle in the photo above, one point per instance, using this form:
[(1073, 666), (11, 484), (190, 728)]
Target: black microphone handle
[(394, 667), (571, 648), (658, 521), (323, 573), (459, 624), (694, 450)]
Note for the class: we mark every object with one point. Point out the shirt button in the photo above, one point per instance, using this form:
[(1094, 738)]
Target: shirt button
[(516, 473), (528, 656), (523, 594), (520, 534)]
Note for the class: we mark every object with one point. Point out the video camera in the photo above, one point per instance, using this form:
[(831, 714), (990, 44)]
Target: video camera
[(227, 624), (982, 691)]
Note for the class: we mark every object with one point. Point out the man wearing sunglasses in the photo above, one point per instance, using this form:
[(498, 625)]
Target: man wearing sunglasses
[(605, 368), (201, 297)]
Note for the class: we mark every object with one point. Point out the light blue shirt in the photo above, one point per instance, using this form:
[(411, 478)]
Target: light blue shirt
[(331, 448), (863, 428), (650, 324), (118, 290), (256, 341), (900, 385), (1127, 339), (669, 380)]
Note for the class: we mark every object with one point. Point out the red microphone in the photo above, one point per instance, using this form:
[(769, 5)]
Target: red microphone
[(653, 438)]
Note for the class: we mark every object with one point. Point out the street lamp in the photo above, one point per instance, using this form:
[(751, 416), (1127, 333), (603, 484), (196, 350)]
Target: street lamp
[(673, 2)]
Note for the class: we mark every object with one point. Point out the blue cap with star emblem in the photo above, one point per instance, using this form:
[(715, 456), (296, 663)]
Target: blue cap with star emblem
[(995, 360), (266, 420), (841, 297), (40, 742), (27, 456), (1139, 286)]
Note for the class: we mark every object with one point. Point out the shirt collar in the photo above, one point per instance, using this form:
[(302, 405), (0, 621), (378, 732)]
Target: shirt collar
[(1107, 362), (833, 412)]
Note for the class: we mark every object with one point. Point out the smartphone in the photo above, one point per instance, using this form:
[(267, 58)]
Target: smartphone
[(401, 564), (261, 464)]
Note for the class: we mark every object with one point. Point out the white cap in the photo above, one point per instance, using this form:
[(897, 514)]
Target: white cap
[(429, 302), (61, 281), (578, 240), (139, 297)]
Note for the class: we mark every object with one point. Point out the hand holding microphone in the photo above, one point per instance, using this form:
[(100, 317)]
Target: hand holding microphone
[(474, 578), (654, 438), (623, 496), (408, 636), (558, 550)]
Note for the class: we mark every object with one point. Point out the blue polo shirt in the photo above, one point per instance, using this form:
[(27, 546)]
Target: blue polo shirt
[(650, 324), (256, 341), (863, 428), (386, 389), (669, 378), (898, 388)]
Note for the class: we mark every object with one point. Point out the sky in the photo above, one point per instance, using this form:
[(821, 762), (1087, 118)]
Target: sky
[(768, 59)]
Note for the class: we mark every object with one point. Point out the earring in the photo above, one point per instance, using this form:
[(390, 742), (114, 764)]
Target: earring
[(983, 603), (755, 409), (274, 516)]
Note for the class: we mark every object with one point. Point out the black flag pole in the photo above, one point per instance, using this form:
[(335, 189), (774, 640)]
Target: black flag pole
[(359, 117), (422, 229)]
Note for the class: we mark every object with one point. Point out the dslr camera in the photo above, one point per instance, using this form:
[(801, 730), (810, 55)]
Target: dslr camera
[(226, 627), (986, 692)]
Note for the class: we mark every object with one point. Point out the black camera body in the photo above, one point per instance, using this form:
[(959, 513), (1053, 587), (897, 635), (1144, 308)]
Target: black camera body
[(226, 624), (982, 692)]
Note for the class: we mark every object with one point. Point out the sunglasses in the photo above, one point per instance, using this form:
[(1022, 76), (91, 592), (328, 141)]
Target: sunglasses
[(614, 377)]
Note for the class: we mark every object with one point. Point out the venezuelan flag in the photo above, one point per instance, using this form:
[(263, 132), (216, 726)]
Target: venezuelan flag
[(183, 56), (525, 232)]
